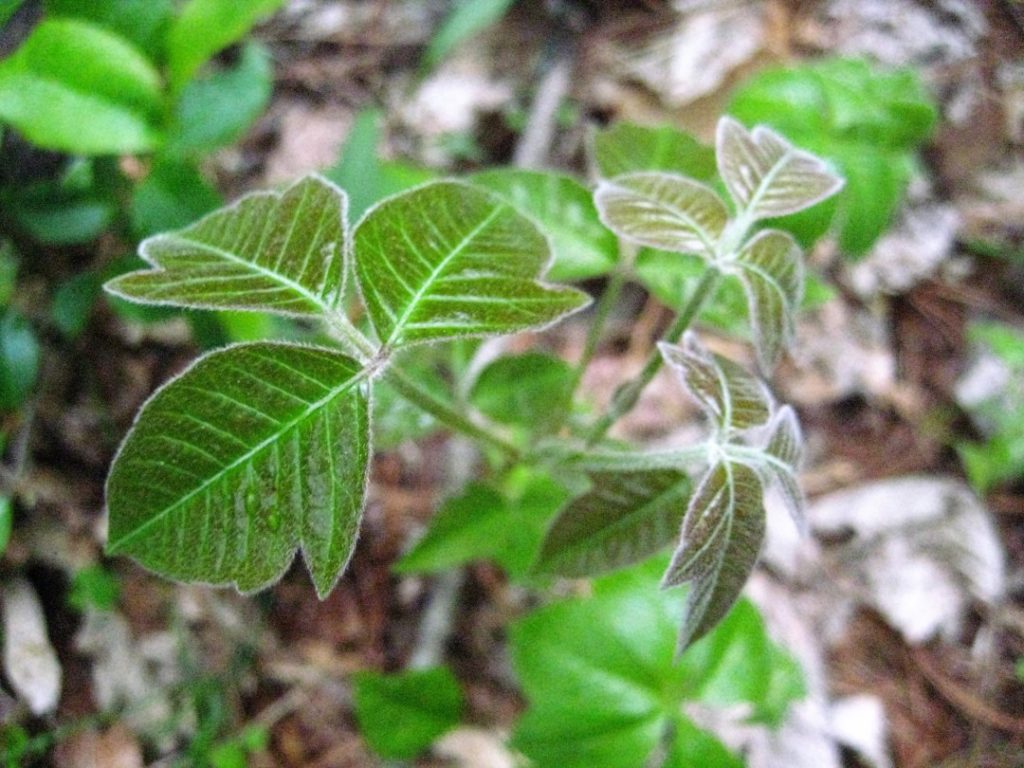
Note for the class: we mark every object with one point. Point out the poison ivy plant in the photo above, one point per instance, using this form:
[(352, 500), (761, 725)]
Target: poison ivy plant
[(260, 450), (868, 123), (604, 688)]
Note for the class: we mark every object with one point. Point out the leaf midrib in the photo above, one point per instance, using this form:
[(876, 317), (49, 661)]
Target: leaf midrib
[(411, 306), (698, 229), (114, 546)]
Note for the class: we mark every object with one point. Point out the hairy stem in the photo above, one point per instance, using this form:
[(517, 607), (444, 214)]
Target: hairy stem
[(446, 414), (626, 396)]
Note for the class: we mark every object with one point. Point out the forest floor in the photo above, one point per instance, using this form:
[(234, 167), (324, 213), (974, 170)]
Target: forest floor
[(924, 637)]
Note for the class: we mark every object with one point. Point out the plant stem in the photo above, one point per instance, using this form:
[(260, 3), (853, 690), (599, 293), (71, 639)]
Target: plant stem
[(625, 397), (601, 312), (446, 414)]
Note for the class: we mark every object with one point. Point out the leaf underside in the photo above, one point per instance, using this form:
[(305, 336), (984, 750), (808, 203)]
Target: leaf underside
[(721, 539), (733, 398), (448, 260), (785, 444), (663, 210), (766, 175), (253, 452), (269, 252), (771, 271), (622, 519)]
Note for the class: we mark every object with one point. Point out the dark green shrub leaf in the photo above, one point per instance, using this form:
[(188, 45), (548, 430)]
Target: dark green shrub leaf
[(6, 519), (564, 210), (270, 252), (485, 523), (766, 175), (771, 269), (400, 715), (447, 260), (627, 148), (19, 360), (143, 22), (204, 27), (722, 536), (253, 452), (624, 518), (531, 390), (732, 398), (173, 195), (662, 210), (73, 302), (75, 87), (216, 110)]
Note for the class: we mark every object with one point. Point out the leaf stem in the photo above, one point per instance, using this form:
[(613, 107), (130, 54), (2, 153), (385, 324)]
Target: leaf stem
[(446, 414), (626, 396)]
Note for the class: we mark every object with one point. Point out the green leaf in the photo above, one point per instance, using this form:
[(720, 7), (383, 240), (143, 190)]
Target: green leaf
[(627, 148), (204, 27), (723, 532), (564, 210), (361, 173), (532, 390), (6, 519), (662, 210), (217, 109), (624, 518), (270, 252), (766, 175), (142, 22), (448, 260), (400, 715), (602, 687), (486, 523), (254, 451), (93, 587), (73, 302), (731, 397), (173, 195), (75, 87), (8, 8), (466, 19), (19, 360), (771, 270)]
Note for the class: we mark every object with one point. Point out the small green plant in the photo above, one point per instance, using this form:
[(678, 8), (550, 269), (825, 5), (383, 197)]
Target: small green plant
[(870, 124), (260, 450), (400, 715), (1000, 457)]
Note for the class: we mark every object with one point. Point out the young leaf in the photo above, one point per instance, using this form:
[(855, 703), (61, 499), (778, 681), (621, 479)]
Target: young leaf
[(766, 175), (269, 252), (771, 270), (204, 27), (662, 210), (626, 148), (623, 518), (531, 390), (447, 260), (785, 447), (732, 398), (564, 210), (400, 715), (722, 536), (254, 451), (75, 87)]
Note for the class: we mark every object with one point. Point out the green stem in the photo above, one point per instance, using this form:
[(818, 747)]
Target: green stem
[(446, 414), (626, 396), (601, 312)]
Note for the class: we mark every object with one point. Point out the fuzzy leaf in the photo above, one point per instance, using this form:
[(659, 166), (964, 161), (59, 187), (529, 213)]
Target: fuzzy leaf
[(270, 252), (623, 518), (771, 270), (254, 451), (564, 210), (785, 447), (662, 210), (721, 539), (733, 398), (626, 147), (447, 260), (766, 175)]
